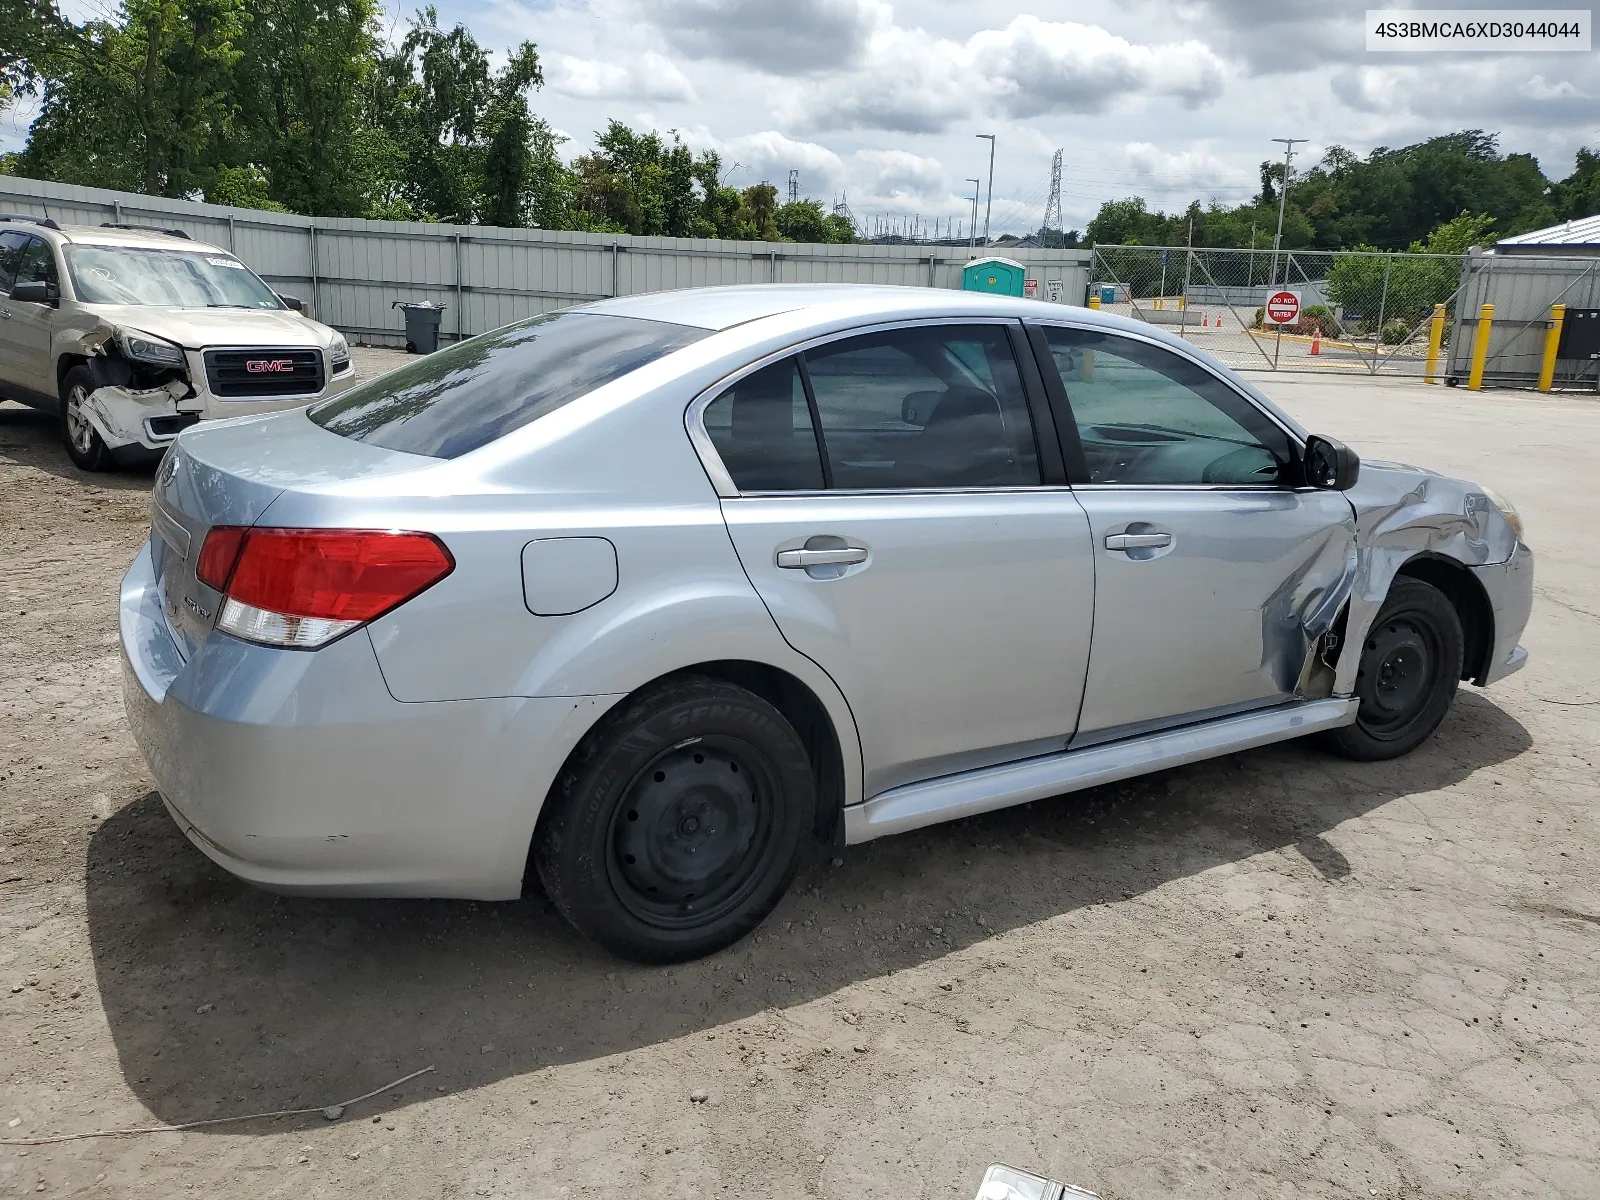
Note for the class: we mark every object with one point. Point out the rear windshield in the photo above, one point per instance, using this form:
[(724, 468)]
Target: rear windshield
[(478, 390)]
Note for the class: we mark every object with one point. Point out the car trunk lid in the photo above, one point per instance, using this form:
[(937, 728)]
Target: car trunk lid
[(229, 473)]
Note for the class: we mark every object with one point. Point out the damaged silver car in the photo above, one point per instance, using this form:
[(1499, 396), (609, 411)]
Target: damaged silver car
[(130, 335), (640, 597)]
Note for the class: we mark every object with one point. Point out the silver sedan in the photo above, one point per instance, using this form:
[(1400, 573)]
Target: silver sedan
[(644, 597)]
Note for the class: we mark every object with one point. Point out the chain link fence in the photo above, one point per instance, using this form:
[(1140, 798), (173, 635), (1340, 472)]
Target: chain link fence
[(1359, 310)]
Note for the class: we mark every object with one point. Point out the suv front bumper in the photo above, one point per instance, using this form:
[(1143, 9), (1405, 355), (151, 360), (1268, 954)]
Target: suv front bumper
[(152, 418)]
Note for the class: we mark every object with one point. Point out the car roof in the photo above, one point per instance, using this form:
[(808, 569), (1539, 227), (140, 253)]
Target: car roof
[(720, 308), (100, 235)]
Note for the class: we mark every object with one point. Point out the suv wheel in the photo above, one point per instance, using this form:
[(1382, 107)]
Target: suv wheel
[(680, 823), (83, 444), (1410, 667)]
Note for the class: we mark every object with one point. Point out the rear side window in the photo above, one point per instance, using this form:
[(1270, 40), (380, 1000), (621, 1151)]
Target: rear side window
[(481, 389), (762, 430), (937, 406)]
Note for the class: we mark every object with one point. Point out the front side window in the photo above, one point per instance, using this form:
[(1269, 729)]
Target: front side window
[(37, 265), (456, 400), (11, 248), (171, 278), (1148, 416)]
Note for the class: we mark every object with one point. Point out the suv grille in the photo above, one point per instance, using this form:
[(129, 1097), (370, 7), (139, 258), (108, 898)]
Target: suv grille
[(264, 372)]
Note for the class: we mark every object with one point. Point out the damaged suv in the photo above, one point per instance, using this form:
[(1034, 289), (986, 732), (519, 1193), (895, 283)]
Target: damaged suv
[(131, 334)]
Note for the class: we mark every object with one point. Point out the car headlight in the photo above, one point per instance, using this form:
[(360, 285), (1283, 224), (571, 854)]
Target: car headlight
[(339, 352), (1507, 509), (141, 347)]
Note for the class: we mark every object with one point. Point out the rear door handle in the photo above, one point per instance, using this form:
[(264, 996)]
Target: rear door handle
[(800, 559), (1137, 541)]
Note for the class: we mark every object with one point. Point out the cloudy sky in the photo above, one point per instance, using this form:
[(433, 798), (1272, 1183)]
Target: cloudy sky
[(880, 101)]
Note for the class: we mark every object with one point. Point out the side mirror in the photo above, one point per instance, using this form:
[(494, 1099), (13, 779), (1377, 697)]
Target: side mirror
[(35, 291), (1330, 465), (293, 302), (917, 407)]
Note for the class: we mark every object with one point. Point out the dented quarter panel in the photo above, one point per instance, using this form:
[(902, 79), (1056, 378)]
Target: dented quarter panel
[(1405, 512)]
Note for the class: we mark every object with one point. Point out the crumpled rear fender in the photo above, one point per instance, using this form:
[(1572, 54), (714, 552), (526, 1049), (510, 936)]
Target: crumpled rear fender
[(1403, 513)]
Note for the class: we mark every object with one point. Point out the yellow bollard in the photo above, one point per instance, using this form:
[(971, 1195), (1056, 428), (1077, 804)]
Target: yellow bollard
[(1435, 340), (1552, 342), (1480, 347), (1094, 299)]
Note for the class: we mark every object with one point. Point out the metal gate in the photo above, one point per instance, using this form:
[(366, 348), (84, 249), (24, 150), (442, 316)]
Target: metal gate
[(1360, 311)]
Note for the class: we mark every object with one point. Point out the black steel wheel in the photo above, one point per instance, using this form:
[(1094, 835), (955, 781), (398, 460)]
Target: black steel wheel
[(680, 822), (1410, 667)]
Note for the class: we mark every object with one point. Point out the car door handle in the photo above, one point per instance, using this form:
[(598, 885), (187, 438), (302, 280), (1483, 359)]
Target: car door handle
[(800, 559), (1137, 541)]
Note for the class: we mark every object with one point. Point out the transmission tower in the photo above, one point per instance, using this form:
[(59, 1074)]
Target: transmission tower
[(1052, 206), (841, 208), (794, 185)]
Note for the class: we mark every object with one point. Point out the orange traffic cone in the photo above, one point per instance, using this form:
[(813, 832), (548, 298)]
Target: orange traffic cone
[(1316, 339)]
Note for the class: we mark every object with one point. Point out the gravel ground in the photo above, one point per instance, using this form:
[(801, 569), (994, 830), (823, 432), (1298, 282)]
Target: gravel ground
[(1275, 974)]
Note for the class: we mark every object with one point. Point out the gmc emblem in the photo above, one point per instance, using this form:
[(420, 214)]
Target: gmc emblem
[(262, 366)]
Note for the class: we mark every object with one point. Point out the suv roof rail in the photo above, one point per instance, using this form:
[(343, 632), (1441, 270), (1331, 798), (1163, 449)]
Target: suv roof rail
[(45, 222), (147, 229)]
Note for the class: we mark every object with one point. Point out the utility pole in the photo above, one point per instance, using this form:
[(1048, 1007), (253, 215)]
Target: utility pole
[(1283, 198), (972, 232), (988, 206)]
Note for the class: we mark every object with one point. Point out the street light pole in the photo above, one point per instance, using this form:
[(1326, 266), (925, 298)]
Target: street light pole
[(972, 230), (988, 205), (1283, 198)]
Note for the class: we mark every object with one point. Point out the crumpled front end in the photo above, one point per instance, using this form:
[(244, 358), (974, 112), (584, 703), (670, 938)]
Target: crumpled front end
[(147, 417), (1404, 514)]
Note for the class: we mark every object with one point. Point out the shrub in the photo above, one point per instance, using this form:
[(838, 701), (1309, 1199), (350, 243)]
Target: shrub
[(1395, 332)]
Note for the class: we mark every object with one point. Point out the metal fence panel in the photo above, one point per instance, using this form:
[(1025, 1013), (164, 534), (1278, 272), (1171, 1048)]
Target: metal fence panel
[(349, 271), (1522, 288), (1359, 311)]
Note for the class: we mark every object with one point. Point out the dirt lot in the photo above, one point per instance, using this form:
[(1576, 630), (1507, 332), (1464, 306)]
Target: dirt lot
[(1277, 974)]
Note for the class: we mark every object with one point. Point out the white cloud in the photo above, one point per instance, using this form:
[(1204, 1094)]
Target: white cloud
[(650, 76), (780, 37), (913, 82), (1190, 170)]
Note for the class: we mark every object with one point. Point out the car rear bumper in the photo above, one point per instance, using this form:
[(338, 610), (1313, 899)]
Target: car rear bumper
[(299, 772), (1509, 586)]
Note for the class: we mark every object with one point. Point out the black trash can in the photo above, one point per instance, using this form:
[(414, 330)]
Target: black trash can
[(422, 325)]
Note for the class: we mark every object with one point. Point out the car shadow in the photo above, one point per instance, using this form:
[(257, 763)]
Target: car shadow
[(32, 438), (222, 999)]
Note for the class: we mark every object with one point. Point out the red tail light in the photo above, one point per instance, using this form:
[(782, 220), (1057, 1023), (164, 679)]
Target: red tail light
[(304, 587)]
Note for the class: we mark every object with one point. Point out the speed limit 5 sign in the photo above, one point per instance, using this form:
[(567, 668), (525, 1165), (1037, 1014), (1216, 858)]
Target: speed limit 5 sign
[(1283, 307)]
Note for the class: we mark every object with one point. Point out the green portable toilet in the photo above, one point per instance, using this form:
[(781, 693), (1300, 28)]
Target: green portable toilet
[(999, 275)]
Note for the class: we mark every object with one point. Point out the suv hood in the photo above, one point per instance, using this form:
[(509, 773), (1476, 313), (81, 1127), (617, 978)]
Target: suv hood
[(197, 328)]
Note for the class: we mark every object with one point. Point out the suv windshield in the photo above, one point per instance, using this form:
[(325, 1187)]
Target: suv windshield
[(478, 390), (174, 278)]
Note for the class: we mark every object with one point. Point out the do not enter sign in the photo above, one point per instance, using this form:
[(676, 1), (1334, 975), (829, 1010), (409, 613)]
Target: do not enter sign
[(1283, 308)]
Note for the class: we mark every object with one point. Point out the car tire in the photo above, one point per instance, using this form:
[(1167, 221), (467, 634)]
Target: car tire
[(1410, 668), (679, 823), (84, 446)]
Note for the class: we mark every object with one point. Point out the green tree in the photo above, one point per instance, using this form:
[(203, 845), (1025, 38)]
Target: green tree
[(135, 102), (807, 221), (1579, 193), (299, 89)]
